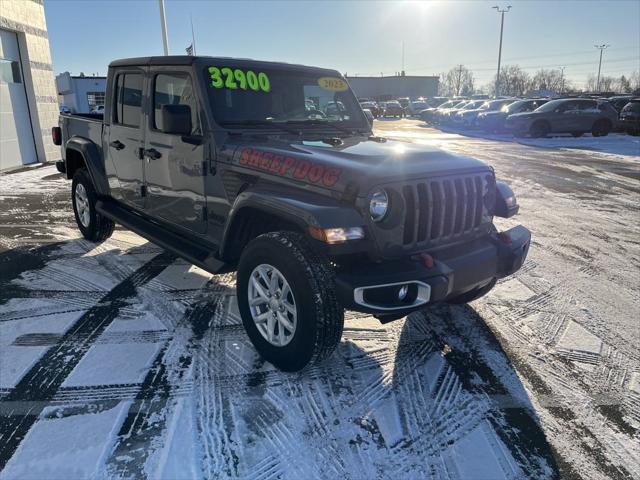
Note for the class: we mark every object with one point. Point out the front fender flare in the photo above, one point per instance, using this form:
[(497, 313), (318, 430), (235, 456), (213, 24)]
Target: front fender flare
[(304, 209)]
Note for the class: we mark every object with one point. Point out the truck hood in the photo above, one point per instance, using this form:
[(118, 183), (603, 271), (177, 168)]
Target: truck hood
[(357, 162)]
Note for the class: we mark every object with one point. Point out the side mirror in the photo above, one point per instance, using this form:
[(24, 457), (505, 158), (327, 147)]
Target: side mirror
[(176, 119)]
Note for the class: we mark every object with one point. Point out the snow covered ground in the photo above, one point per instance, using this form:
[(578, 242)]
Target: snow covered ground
[(120, 361)]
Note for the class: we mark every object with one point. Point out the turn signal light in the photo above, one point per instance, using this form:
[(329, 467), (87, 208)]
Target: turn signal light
[(336, 235)]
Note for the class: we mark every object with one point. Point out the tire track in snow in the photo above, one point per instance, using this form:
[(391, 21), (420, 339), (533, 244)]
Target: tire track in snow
[(40, 384)]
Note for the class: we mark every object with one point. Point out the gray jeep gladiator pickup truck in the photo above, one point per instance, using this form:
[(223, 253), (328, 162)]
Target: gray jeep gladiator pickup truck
[(272, 170)]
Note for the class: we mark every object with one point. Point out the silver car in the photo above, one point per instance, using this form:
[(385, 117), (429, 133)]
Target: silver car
[(576, 116)]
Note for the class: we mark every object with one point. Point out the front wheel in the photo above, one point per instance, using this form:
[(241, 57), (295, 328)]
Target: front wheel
[(601, 128), (94, 226), (286, 297), (539, 129)]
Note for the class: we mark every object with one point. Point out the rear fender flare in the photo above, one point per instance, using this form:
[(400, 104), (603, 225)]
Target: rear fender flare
[(92, 155)]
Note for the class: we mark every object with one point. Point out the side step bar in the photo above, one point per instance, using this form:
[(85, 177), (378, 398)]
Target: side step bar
[(183, 247)]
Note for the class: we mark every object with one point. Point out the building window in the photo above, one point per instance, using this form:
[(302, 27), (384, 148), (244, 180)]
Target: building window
[(94, 99), (9, 71)]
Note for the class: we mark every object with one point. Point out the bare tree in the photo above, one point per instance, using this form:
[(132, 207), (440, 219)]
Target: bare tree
[(513, 81), (634, 81), (457, 81), (547, 80)]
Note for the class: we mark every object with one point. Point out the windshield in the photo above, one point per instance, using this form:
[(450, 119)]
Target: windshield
[(261, 97), (473, 105)]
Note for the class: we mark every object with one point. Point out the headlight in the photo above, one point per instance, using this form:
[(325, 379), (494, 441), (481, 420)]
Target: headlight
[(378, 205)]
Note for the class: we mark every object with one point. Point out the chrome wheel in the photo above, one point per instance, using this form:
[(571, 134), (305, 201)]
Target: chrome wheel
[(272, 305), (82, 205)]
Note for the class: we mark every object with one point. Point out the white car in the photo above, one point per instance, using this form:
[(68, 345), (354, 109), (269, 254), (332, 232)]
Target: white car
[(98, 109)]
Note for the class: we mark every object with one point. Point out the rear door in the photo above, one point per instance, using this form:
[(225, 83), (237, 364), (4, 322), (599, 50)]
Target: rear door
[(174, 164), (126, 137)]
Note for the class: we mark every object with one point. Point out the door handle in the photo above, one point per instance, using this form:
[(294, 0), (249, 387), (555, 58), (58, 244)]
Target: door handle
[(117, 144), (152, 153)]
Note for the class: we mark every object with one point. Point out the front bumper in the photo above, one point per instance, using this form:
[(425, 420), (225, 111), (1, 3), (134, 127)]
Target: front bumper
[(459, 269)]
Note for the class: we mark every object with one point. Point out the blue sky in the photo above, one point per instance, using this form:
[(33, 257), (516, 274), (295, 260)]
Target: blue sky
[(356, 37)]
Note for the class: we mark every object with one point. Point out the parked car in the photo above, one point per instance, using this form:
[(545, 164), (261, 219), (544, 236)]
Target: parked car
[(449, 117), (576, 116), (495, 121), (415, 108), (369, 115), (444, 111), (619, 101), (392, 108), (630, 117), (230, 181), (98, 109), (467, 118), (405, 102), (429, 114), (372, 107), (64, 109)]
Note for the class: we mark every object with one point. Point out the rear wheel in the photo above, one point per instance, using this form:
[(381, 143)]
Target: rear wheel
[(286, 296), (94, 226), (601, 128), (539, 129)]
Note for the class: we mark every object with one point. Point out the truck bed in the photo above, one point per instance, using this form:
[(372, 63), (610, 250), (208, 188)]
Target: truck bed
[(85, 125)]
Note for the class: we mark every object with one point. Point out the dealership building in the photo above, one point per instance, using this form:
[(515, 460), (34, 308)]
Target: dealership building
[(398, 86), (80, 93), (28, 97)]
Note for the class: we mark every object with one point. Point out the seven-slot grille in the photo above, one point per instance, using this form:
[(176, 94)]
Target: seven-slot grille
[(440, 209)]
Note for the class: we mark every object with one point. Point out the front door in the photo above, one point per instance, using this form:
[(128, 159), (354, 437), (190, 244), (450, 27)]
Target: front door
[(174, 164), (126, 138)]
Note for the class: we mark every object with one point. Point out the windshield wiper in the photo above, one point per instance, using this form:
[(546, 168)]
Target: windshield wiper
[(340, 128), (261, 123)]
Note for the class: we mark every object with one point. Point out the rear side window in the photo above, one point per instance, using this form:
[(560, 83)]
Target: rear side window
[(128, 106), (173, 89)]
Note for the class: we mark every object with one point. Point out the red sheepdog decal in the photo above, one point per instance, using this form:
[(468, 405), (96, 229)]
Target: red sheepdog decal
[(288, 166)]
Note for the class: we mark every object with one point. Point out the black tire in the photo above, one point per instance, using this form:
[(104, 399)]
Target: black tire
[(539, 129), (312, 282), (577, 134), (98, 227), (474, 294), (601, 128)]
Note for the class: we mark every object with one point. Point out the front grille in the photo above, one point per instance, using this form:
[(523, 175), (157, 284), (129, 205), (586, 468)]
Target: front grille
[(443, 209)]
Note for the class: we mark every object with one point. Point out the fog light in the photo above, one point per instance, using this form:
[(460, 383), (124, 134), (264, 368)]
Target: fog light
[(402, 292)]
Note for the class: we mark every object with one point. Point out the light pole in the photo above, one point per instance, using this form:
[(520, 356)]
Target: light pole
[(163, 24), (602, 49), (501, 12), (562, 79)]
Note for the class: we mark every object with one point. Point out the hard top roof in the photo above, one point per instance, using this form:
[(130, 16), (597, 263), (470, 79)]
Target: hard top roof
[(218, 61)]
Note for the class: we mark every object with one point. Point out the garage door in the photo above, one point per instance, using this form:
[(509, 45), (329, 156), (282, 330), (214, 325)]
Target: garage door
[(16, 137)]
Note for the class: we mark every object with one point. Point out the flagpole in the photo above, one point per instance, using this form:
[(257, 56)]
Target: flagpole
[(163, 25), (193, 36)]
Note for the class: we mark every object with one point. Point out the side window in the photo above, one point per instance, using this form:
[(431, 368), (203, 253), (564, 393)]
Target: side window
[(128, 100), (586, 105), (174, 89)]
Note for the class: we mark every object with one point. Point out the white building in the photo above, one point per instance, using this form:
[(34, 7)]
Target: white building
[(397, 86), (80, 93), (28, 100)]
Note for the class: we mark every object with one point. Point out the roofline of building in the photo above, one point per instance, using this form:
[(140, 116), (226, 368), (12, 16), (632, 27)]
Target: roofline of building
[(394, 76)]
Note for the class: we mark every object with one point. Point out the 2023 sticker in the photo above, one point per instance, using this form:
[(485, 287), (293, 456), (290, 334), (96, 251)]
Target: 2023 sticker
[(234, 79)]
